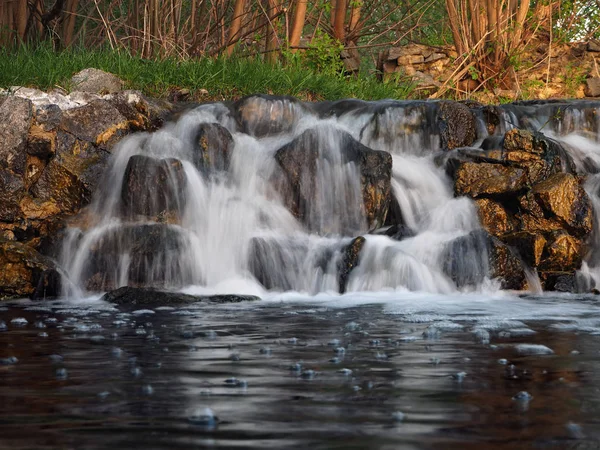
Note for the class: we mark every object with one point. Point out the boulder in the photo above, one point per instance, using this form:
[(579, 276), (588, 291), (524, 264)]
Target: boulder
[(96, 81), (471, 258), (529, 246), (11, 191), (494, 217), (349, 260), (477, 179), (561, 196), (299, 161), (127, 295), (262, 115), (153, 187), (146, 255), (563, 252), (16, 115), (22, 269), (558, 281), (49, 285), (213, 147), (457, 125)]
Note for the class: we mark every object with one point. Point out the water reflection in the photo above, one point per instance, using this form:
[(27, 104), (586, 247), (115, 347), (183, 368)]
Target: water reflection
[(300, 375)]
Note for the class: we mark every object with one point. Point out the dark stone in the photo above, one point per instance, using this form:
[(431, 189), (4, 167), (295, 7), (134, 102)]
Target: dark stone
[(152, 297), (15, 120), (559, 281), (529, 246), (399, 232), (11, 191), (469, 259), (153, 187), (457, 125), (299, 160), (49, 285), (350, 259), (478, 179), (213, 147), (262, 115)]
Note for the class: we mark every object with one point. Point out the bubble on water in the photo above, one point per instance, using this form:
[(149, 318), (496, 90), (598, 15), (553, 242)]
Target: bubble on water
[(575, 352), (521, 332), (523, 396), (204, 417), (234, 382), (335, 360), (351, 326), (43, 334), (432, 332), (460, 376), (447, 325), (297, 367), (61, 374), (339, 350), (533, 349), (39, 324), (140, 331), (345, 372), (97, 339), (235, 357), (136, 372), (308, 374), (434, 361), (293, 341), (374, 342), (187, 334), (381, 356), (147, 389), (482, 336), (19, 321), (51, 320), (265, 351), (116, 352), (334, 342), (55, 359), (3, 326), (183, 312), (408, 339), (574, 430), (165, 308), (356, 388), (210, 335), (8, 361), (503, 361), (119, 323), (398, 416), (102, 395)]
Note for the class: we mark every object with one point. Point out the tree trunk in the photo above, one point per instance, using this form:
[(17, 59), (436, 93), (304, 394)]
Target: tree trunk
[(298, 24), (236, 24)]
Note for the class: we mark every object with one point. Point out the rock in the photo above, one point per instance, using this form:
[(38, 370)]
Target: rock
[(350, 259), (153, 187), (59, 186), (398, 232), (476, 179), (558, 281), (494, 217), (529, 246), (16, 115), (98, 122), (592, 87), (96, 81), (145, 255), (49, 285), (213, 147), (457, 125), (152, 297), (12, 190), (41, 143), (593, 45), (142, 112), (22, 268), (563, 252), (468, 259), (299, 161), (262, 115), (562, 196)]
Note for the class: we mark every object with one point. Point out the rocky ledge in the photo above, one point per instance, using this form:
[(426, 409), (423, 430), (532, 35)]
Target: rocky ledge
[(55, 147)]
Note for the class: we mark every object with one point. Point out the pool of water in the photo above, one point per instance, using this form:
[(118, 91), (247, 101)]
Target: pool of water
[(385, 371)]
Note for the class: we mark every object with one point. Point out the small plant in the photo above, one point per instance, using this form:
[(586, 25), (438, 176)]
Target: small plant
[(323, 55), (573, 77)]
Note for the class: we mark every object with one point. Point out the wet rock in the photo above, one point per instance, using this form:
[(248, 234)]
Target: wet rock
[(457, 125), (142, 112), (494, 217), (350, 259), (477, 179), (59, 187), (300, 158), (563, 197), (558, 281), (11, 192), (471, 258), (98, 122), (398, 232), (41, 143), (15, 119), (22, 268), (529, 246), (213, 147), (262, 115), (153, 187), (147, 255), (147, 296), (96, 81), (563, 252), (49, 285)]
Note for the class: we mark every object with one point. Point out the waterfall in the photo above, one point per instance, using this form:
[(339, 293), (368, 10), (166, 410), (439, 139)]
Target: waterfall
[(273, 197)]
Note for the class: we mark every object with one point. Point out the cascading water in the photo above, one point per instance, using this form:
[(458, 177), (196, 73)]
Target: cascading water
[(206, 201)]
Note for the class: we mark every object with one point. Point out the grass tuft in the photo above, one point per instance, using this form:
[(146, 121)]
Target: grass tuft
[(223, 78)]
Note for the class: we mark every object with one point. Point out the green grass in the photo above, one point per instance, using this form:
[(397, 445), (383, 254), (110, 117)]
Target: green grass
[(223, 78)]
